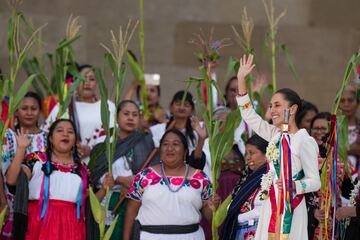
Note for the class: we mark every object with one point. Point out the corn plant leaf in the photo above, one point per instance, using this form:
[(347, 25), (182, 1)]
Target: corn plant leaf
[(96, 208), (202, 107), (139, 75), (289, 62), (221, 212), (69, 95), (67, 42), (104, 97), (22, 91), (232, 67), (111, 228), (3, 215), (343, 142)]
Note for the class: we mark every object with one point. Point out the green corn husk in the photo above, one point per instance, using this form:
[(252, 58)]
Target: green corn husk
[(114, 60), (98, 211), (221, 212), (220, 143)]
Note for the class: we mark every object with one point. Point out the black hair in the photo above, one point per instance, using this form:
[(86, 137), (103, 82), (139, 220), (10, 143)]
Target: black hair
[(321, 115), (82, 67), (258, 142), (306, 107), (189, 131), (138, 88), (293, 98), (125, 102), (49, 148), (35, 96), (182, 139)]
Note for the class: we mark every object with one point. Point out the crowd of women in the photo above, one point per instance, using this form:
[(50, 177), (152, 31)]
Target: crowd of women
[(162, 165)]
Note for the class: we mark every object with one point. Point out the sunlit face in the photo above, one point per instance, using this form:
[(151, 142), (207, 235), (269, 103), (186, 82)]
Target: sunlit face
[(87, 87), (180, 110), (277, 108), (172, 151), (348, 103), (29, 112), (306, 120), (254, 157), (152, 95), (319, 129), (129, 118), (63, 137), (231, 94)]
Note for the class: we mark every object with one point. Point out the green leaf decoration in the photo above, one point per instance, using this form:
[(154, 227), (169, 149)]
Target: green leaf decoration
[(111, 228), (289, 61), (21, 92), (221, 212), (98, 211)]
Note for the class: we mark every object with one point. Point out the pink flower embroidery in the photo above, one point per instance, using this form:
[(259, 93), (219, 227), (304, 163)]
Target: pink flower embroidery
[(156, 180), (176, 181), (151, 175), (195, 183), (131, 189), (144, 183), (205, 183), (137, 178), (198, 176)]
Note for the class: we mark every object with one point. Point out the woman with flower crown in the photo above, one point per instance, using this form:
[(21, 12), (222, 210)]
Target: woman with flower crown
[(303, 150)]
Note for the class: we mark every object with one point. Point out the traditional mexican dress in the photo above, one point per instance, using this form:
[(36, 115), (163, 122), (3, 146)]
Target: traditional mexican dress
[(244, 210), (130, 155), (160, 206), (88, 118), (305, 174), (38, 143), (56, 199)]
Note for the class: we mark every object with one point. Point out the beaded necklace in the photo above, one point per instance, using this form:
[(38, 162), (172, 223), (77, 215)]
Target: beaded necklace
[(167, 180)]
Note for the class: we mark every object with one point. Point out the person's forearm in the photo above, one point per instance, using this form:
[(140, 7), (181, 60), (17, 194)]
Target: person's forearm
[(15, 167), (241, 85), (198, 150), (130, 215), (207, 212), (100, 194)]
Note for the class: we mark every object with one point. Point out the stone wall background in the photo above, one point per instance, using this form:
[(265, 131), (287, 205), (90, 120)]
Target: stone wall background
[(320, 35)]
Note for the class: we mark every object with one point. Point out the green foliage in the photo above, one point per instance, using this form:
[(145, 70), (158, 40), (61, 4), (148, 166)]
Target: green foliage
[(221, 213)]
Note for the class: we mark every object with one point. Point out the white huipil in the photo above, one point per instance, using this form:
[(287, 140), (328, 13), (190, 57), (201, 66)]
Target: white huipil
[(304, 153), (89, 119)]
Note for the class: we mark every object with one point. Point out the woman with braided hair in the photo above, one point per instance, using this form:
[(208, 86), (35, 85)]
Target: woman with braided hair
[(57, 184)]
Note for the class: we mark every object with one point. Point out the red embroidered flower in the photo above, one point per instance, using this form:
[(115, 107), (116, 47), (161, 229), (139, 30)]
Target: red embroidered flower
[(249, 235), (246, 105), (131, 189), (195, 183), (156, 180), (198, 176), (137, 178), (151, 175), (176, 181), (144, 183), (205, 183)]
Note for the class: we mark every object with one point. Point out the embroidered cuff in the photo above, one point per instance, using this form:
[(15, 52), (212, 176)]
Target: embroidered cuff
[(300, 187), (243, 102)]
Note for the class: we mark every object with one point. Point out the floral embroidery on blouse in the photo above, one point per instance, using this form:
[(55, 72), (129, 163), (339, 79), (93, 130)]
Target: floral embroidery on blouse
[(148, 177)]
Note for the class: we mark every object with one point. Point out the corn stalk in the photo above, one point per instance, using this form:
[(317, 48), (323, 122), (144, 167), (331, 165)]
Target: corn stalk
[(273, 27), (114, 60), (17, 55)]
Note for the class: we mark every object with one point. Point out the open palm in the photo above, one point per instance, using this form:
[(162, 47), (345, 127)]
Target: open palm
[(246, 66)]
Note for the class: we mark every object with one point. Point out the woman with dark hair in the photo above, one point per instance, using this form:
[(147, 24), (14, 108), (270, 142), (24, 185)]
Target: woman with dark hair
[(182, 120), (231, 91), (244, 209), (166, 201), (57, 186), (85, 112), (133, 147), (306, 115), (303, 153), (157, 113), (26, 117)]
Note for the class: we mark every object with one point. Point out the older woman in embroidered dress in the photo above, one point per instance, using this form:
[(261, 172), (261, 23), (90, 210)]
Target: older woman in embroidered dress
[(166, 201), (303, 160)]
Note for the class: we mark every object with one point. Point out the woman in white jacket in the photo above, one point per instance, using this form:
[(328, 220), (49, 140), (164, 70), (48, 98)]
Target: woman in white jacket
[(304, 152)]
